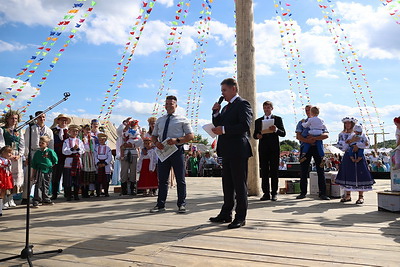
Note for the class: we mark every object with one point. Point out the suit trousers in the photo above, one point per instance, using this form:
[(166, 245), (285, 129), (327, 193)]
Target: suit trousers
[(269, 164), (305, 166), (177, 162), (234, 185), (56, 177)]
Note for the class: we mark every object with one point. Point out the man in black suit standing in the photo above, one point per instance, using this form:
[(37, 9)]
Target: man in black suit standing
[(269, 150), (232, 126)]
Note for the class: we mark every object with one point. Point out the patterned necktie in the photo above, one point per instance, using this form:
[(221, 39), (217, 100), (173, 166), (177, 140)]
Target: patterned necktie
[(164, 136)]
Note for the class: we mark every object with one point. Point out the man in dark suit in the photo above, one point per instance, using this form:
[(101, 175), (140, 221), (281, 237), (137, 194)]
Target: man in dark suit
[(269, 150), (232, 126)]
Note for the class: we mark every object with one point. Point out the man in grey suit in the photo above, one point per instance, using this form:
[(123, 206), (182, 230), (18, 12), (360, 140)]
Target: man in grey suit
[(232, 125)]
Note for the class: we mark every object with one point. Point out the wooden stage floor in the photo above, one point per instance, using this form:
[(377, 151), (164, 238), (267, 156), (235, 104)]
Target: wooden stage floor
[(120, 231)]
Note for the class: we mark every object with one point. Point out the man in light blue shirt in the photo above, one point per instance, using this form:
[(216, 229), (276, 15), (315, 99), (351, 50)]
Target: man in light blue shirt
[(302, 134), (178, 131)]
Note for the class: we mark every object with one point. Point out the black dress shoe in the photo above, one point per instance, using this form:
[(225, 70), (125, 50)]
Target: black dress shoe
[(274, 198), (323, 197), (265, 197), (236, 224), (220, 219), (301, 196)]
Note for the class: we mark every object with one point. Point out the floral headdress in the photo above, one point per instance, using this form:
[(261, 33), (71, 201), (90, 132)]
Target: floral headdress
[(4, 117), (351, 119)]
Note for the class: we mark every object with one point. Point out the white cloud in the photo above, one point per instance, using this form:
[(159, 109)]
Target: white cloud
[(370, 30), (136, 108), (168, 3), (132, 107), (144, 85), (4, 46), (222, 33), (43, 12), (282, 103), (99, 28), (220, 71), (326, 74)]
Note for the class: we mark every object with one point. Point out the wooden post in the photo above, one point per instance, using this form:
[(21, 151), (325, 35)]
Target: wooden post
[(376, 139), (247, 80)]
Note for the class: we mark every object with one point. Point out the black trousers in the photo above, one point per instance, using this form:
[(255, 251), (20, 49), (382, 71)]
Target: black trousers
[(269, 164), (58, 170), (234, 186), (305, 171)]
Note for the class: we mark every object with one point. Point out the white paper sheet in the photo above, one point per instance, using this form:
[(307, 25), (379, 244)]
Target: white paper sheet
[(266, 124), (167, 151), (208, 130)]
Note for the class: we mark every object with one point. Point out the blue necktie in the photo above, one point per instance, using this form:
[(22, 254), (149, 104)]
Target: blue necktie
[(164, 135)]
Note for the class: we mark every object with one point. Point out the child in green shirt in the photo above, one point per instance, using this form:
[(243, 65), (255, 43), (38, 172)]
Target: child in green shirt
[(42, 164)]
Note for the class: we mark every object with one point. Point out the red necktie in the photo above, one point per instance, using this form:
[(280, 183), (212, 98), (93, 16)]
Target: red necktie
[(227, 107)]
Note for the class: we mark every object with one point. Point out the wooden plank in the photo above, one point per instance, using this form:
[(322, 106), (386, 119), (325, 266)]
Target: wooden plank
[(120, 231)]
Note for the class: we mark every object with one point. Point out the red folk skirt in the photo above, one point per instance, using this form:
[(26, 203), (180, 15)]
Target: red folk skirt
[(147, 179), (6, 180)]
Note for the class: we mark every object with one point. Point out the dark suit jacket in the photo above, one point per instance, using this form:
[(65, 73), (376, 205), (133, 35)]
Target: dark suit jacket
[(236, 120), (269, 143)]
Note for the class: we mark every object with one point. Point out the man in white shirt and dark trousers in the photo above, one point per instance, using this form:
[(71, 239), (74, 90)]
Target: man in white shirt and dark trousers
[(38, 130), (178, 131)]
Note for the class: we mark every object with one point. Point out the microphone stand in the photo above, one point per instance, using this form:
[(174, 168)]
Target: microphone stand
[(27, 252)]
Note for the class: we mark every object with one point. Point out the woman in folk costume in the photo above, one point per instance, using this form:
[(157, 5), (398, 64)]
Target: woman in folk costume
[(88, 162), (73, 148), (16, 141), (352, 176), (146, 166), (6, 180), (103, 161)]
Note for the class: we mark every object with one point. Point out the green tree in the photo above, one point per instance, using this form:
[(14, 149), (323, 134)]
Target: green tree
[(289, 145), (199, 139), (387, 144)]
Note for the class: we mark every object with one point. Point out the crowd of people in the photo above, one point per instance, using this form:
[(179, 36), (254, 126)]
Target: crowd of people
[(72, 159), (78, 155), (376, 161), (201, 164)]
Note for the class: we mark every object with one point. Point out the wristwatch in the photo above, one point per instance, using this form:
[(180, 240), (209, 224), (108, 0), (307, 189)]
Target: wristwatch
[(178, 140)]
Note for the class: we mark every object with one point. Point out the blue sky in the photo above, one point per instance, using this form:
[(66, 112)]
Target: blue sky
[(88, 64)]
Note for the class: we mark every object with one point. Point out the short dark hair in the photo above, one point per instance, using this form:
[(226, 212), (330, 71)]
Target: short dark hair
[(230, 82), (171, 97), (268, 103), (37, 113)]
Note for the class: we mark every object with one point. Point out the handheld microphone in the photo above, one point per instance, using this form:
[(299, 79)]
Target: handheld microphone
[(219, 102)]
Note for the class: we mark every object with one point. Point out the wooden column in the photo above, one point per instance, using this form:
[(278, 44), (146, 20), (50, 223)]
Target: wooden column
[(247, 79)]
